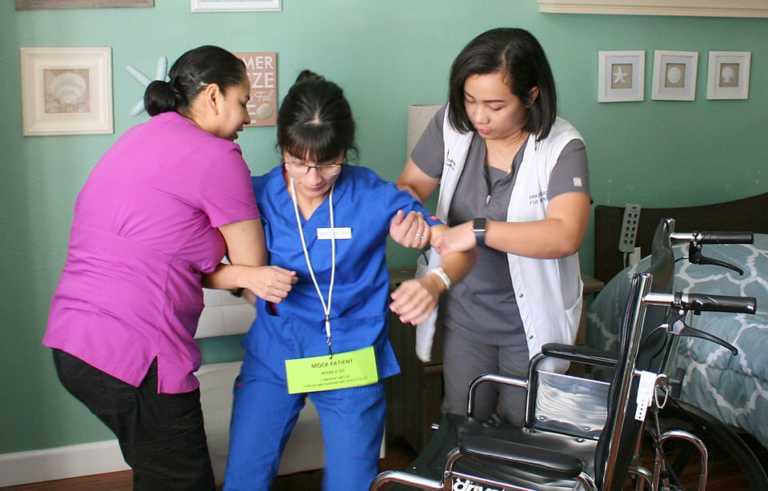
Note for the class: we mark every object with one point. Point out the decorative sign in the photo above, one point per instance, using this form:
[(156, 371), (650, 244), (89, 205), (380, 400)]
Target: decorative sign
[(261, 67)]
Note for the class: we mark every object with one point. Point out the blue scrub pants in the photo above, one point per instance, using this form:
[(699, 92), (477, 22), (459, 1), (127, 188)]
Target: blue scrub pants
[(263, 415)]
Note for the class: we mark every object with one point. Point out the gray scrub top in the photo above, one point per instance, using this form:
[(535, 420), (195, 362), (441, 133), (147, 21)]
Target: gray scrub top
[(482, 306)]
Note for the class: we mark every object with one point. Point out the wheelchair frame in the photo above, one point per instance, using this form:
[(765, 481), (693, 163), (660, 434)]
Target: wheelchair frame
[(618, 444)]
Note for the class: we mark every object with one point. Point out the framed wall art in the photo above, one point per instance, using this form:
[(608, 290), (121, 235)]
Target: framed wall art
[(66, 91), (80, 4), (674, 75), (706, 8), (235, 5), (621, 76), (728, 74)]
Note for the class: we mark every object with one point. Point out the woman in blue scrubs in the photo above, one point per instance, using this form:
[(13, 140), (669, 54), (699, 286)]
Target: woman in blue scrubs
[(328, 221)]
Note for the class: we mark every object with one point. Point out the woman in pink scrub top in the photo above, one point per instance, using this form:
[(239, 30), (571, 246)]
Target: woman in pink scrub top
[(150, 227)]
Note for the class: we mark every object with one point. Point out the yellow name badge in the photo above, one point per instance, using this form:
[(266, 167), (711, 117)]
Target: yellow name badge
[(342, 370)]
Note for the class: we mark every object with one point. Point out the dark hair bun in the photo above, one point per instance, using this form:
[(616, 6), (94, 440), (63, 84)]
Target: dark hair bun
[(160, 97), (309, 75)]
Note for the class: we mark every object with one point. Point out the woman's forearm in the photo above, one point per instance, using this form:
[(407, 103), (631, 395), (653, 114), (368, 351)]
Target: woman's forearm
[(559, 234), (542, 239), (272, 283), (225, 277), (455, 264)]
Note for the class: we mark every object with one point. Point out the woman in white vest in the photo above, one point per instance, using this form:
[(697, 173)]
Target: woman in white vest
[(513, 185)]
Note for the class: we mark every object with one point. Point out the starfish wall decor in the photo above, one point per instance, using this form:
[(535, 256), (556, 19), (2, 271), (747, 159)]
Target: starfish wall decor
[(161, 73)]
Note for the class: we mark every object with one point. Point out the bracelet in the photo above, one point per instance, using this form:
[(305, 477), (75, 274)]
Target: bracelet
[(440, 273), (479, 226)]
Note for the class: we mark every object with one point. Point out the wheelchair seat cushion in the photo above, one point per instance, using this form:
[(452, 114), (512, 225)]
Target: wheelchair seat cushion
[(522, 455)]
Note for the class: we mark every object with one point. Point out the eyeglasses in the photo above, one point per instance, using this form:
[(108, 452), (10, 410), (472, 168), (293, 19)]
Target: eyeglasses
[(325, 169)]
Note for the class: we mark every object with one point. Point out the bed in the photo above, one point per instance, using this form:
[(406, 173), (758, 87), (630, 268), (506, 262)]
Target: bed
[(733, 389)]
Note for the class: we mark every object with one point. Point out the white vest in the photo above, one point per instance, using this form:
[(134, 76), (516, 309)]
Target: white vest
[(548, 291)]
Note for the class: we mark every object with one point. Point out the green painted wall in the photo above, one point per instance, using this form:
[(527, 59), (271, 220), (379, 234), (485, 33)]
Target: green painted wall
[(387, 55)]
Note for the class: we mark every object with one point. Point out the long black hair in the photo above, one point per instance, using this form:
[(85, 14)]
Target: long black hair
[(315, 120), (190, 74), (519, 57)]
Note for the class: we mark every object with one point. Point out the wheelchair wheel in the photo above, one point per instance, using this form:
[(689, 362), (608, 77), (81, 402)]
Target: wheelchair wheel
[(732, 463)]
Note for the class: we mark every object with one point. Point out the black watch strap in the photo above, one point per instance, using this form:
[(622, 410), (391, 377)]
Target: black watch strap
[(478, 228)]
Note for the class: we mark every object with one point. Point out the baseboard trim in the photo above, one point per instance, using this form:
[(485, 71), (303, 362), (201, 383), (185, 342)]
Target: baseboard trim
[(61, 463)]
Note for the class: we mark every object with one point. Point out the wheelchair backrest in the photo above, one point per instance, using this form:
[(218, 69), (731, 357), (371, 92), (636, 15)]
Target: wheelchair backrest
[(639, 345), (615, 447), (662, 267)]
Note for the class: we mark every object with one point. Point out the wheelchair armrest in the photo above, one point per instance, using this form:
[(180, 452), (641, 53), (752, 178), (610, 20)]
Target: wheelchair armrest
[(579, 354), (545, 460), (497, 379)]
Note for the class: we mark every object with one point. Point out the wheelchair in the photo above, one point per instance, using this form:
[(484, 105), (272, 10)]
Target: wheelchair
[(578, 433)]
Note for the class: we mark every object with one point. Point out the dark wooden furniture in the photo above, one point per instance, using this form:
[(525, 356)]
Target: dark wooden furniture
[(592, 286), (742, 215), (414, 397)]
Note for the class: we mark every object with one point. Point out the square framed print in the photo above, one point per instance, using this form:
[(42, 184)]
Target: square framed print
[(728, 74), (66, 91), (674, 75), (621, 76), (235, 5)]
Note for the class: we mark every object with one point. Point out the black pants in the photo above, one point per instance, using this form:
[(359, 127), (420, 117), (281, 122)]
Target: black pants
[(161, 435)]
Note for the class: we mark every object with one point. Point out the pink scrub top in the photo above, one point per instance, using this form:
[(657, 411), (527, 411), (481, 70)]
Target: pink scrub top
[(144, 231)]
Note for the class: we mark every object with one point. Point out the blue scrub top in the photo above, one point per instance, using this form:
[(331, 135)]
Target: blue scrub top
[(363, 202)]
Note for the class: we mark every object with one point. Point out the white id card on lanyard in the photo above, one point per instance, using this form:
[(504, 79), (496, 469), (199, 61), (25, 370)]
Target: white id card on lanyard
[(338, 233)]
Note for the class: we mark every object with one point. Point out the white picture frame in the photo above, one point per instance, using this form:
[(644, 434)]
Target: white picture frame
[(66, 91), (82, 4), (621, 76), (235, 5), (674, 75), (728, 75), (704, 8)]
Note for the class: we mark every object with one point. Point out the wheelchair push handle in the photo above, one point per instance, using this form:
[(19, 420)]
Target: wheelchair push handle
[(704, 302), (696, 241), (714, 237), (727, 238), (682, 303)]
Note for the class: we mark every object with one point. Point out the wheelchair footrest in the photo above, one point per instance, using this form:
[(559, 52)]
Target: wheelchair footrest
[(564, 466)]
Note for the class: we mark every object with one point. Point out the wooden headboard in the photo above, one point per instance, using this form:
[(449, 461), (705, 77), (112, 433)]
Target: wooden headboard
[(743, 215)]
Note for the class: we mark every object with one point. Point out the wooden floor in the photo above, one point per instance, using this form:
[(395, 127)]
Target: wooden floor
[(399, 455), (723, 475)]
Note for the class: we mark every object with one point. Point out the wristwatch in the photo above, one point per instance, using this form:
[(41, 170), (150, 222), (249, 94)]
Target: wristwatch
[(478, 228)]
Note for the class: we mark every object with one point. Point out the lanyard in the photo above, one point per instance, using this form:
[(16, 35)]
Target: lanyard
[(326, 307), (488, 183)]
